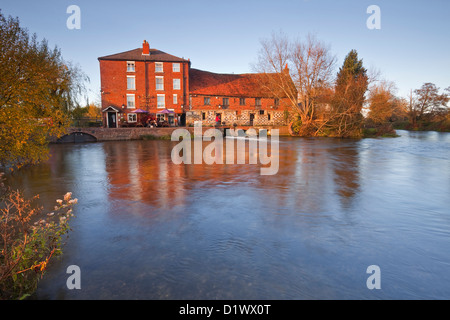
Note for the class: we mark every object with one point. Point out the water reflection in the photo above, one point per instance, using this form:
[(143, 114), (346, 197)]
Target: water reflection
[(145, 172)]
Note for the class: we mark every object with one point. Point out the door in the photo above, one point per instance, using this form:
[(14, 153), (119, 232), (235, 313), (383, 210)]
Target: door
[(183, 119), (252, 117), (112, 120)]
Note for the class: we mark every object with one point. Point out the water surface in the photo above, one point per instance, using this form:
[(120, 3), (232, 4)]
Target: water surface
[(146, 228)]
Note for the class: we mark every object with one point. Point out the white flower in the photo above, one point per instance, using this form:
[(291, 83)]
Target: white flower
[(50, 214), (59, 201), (67, 196)]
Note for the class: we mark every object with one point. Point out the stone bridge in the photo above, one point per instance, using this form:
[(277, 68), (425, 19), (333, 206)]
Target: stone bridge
[(75, 135)]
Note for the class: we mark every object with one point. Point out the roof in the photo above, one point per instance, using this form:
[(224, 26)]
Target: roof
[(235, 85), (136, 55), (112, 108)]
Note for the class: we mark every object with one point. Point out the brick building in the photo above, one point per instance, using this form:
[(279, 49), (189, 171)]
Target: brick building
[(235, 98), (145, 79), (148, 82)]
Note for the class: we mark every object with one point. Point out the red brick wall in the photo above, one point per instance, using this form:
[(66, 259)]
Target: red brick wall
[(197, 102)]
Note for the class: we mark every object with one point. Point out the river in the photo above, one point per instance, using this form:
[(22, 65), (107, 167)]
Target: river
[(146, 228)]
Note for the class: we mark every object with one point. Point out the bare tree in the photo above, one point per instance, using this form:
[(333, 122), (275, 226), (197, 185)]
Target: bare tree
[(427, 104), (301, 71)]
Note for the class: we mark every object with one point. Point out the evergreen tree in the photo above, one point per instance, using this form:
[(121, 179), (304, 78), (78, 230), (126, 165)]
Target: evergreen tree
[(351, 85)]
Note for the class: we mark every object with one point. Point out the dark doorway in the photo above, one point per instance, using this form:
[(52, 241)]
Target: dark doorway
[(252, 117), (112, 119), (183, 119)]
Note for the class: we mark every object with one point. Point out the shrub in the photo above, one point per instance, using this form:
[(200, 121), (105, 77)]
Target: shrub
[(28, 241)]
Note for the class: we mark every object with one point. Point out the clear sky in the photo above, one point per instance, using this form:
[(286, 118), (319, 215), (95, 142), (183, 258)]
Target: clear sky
[(411, 48)]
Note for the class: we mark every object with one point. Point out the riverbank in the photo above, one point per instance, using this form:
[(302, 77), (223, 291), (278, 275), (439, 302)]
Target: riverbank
[(442, 126)]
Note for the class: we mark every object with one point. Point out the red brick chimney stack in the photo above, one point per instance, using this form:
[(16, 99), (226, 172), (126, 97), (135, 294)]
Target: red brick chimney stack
[(145, 48)]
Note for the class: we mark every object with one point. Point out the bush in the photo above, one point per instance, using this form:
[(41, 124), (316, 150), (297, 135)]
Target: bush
[(380, 130), (28, 240)]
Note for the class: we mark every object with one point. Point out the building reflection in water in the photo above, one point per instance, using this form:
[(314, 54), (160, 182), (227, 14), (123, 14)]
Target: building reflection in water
[(144, 171)]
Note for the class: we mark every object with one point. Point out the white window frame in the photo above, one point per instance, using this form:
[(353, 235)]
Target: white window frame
[(176, 67), (128, 101), (175, 98), (159, 65), (158, 105), (134, 82), (156, 82), (129, 63), (176, 84), (132, 117)]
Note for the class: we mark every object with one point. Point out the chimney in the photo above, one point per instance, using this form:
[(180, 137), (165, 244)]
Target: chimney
[(145, 48)]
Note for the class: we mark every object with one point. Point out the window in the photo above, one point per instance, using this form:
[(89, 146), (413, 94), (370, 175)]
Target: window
[(132, 117), (226, 101), (258, 101), (159, 67), (175, 67), (175, 99), (203, 115), (160, 117), (276, 102), (159, 83), (207, 101), (176, 84), (130, 66), (130, 101), (261, 112), (242, 101), (268, 116), (161, 101), (131, 83)]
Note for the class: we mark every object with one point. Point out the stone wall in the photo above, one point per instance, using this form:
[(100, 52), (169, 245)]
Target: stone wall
[(240, 118)]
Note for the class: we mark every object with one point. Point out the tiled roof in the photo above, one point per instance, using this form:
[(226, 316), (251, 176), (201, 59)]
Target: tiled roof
[(237, 85), (136, 55)]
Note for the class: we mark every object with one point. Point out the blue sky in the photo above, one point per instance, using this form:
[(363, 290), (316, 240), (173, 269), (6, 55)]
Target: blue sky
[(411, 48)]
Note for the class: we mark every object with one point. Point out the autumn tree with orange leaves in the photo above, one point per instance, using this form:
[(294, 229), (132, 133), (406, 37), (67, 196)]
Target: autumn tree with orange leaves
[(37, 91)]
